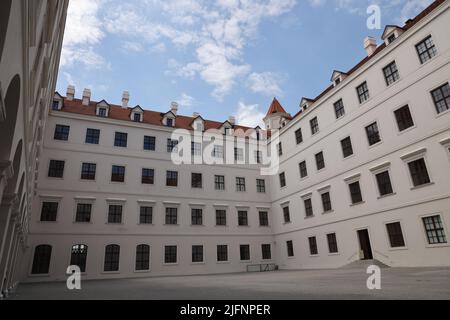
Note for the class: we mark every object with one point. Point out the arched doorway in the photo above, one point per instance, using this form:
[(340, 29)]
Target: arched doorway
[(7, 127), (5, 8)]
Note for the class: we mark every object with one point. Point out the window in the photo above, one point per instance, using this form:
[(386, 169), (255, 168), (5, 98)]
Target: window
[(170, 254), (145, 215), (169, 122), (280, 149), (171, 178), (112, 256), (434, 229), (102, 112), (55, 105), (238, 154), (303, 169), (313, 246), (149, 143), (355, 192), (266, 252), (240, 184), (384, 183), (88, 171), (219, 182), (290, 248), (363, 92), (419, 172), (373, 135), (78, 256), (391, 73), (142, 257), (347, 149), (115, 213), (263, 218), (222, 252), (298, 136), (260, 185), (314, 123), (196, 149), (391, 38), (320, 161), (92, 136), (56, 169), (148, 176), (172, 145), (426, 49), (171, 215), (41, 259), (441, 97), (118, 174), (137, 117), (49, 211), (286, 214), (242, 218), (395, 234), (120, 139), (339, 109), (196, 180), (197, 217), (83, 212), (308, 207), (61, 132), (404, 118), (197, 254), (332, 243), (244, 250), (258, 157), (217, 151), (221, 217), (326, 202), (282, 180)]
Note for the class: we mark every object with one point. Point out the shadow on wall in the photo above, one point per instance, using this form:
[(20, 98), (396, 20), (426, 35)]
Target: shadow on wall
[(5, 8)]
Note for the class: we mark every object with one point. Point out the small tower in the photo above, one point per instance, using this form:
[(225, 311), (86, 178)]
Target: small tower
[(276, 117)]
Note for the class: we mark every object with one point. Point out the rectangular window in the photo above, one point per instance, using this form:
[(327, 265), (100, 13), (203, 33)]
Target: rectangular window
[(114, 213), (339, 109), (88, 171), (112, 258), (347, 148), (355, 192), (373, 135), (426, 49), (391, 73), (286, 214), (196, 148), (298, 136), (280, 149), (290, 248), (142, 257), (169, 122), (172, 178), (313, 246), (56, 169), (395, 234), (282, 177), (303, 169), (92, 136), (326, 202), (171, 215), (314, 123), (219, 182), (266, 252), (244, 250), (363, 92), (120, 139), (197, 254), (217, 152), (170, 253), (320, 161), (137, 117), (55, 105), (149, 143), (260, 185), (419, 172), (263, 218), (172, 145), (238, 154), (196, 180), (434, 229), (102, 112), (441, 98), (146, 215), (308, 207), (384, 183), (221, 218), (242, 218), (61, 132), (118, 174), (83, 212), (222, 252), (196, 217), (240, 184), (49, 211), (148, 176), (332, 243), (258, 157), (404, 118)]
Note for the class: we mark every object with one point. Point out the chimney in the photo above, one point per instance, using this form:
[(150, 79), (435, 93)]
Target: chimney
[(370, 44), (232, 120), (174, 108), (195, 114), (70, 94), (125, 99), (86, 97)]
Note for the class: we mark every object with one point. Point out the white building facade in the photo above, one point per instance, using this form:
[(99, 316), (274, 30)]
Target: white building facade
[(364, 173)]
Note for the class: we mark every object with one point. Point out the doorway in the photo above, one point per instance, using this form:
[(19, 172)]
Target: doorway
[(364, 244)]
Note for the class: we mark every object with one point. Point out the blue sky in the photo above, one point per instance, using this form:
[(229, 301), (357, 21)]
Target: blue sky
[(218, 58)]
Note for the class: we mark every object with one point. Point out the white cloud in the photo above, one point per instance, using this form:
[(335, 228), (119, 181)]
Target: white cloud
[(69, 79), (185, 100), (249, 115), (267, 83)]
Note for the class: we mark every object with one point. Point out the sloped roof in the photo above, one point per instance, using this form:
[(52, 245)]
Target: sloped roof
[(275, 107)]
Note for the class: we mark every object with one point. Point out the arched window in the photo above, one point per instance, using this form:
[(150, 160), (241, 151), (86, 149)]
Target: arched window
[(78, 256), (41, 260), (112, 254), (142, 257)]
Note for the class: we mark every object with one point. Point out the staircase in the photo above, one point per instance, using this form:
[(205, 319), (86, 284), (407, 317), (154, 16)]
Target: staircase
[(360, 264)]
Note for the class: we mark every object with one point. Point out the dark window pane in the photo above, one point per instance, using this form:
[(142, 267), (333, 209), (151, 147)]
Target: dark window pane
[(78, 256), (222, 253), (434, 229), (404, 118), (384, 183), (196, 180), (61, 132), (286, 215), (373, 135), (146, 215), (197, 254), (363, 92), (260, 185), (282, 180), (395, 234), (320, 161), (114, 213), (56, 169), (339, 109), (88, 171), (118, 174), (244, 250), (290, 248), (240, 184), (120, 139), (170, 254), (266, 252), (149, 143), (332, 243), (314, 123), (41, 259), (391, 73), (49, 211), (426, 49), (263, 218), (312, 245), (221, 217), (197, 217), (172, 145), (355, 192), (347, 149), (148, 176), (112, 256), (419, 173), (83, 212), (303, 169), (142, 257), (299, 136), (242, 218), (441, 97), (92, 136), (308, 207), (219, 182), (171, 215), (326, 202)]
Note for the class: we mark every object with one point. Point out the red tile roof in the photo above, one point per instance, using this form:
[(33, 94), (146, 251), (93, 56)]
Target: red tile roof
[(275, 107)]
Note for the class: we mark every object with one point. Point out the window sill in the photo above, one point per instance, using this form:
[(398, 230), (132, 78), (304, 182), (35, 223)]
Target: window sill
[(145, 224), (141, 271), (110, 272), (357, 204), (422, 186), (397, 248), (245, 261), (387, 195), (286, 223), (83, 222), (314, 255), (47, 222), (223, 262), (247, 226), (170, 264), (438, 245), (438, 115), (375, 144), (404, 131), (328, 212), (334, 254), (171, 224), (197, 225), (198, 263), (309, 217)]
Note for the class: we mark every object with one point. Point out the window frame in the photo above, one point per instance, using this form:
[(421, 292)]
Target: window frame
[(391, 73), (314, 125), (151, 144), (118, 166), (347, 147), (61, 135), (147, 260), (370, 141), (364, 94), (433, 98), (339, 108), (432, 48), (444, 228), (91, 136), (89, 176), (388, 236), (148, 179), (413, 122), (120, 139)]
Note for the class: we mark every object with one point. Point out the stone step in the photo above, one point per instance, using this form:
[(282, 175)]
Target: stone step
[(365, 263)]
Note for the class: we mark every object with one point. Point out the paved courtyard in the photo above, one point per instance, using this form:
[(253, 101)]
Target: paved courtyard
[(396, 283)]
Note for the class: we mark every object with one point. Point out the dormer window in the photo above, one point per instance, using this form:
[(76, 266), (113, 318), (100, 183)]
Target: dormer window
[(199, 126), (137, 117), (390, 33), (102, 109), (169, 122), (55, 105), (227, 131), (337, 81), (137, 114), (391, 38), (57, 101), (101, 112)]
